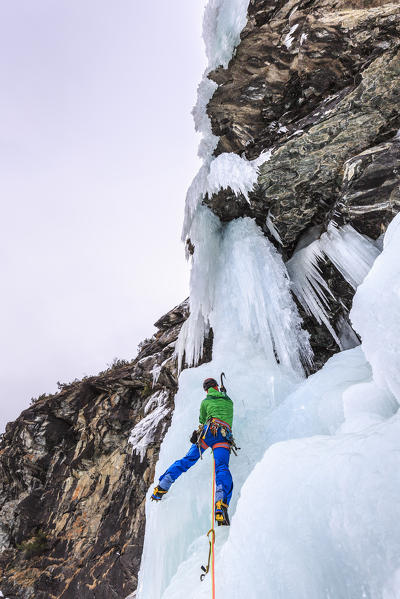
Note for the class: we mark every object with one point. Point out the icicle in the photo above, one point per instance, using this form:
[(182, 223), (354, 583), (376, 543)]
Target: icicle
[(309, 285), (205, 235), (227, 170), (240, 287), (194, 196), (352, 254), (253, 297), (272, 229)]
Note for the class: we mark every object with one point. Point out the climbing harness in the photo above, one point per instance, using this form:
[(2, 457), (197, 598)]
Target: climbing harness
[(211, 539), (216, 425)]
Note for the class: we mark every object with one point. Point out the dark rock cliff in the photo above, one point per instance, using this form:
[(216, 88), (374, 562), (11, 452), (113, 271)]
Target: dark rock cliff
[(74, 471), (316, 81)]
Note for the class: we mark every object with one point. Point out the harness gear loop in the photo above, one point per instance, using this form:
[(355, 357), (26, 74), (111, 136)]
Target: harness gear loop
[(200, 439)]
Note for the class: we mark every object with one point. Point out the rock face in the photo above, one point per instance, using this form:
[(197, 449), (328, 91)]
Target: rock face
[(318, 84), (293, 56), (370, 194), (74, 471)]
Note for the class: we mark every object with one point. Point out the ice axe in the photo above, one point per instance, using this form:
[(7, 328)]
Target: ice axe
[(222, 386)]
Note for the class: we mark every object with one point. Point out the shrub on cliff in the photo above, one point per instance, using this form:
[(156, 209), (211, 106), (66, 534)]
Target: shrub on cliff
[(35, 546)]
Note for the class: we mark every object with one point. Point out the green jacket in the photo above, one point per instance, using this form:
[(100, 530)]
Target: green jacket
[(216, 405)]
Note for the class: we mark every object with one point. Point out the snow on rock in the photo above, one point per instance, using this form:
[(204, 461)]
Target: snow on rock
[(288, 41), (230, 170), (376, 313), (226, 170), (303, 38), (202, 121), (144, 432)]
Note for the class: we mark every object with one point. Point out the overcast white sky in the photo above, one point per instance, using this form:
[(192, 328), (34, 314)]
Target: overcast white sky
[(97, 149)]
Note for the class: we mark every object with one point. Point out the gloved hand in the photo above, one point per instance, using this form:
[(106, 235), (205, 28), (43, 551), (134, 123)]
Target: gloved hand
[(195, 436)]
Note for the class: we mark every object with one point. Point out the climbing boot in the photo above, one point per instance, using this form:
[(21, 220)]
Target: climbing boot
[(221, 513), (158, 494)]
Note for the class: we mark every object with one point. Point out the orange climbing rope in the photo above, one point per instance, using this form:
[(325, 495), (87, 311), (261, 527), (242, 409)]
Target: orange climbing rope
[(211, 539), (213, 532)]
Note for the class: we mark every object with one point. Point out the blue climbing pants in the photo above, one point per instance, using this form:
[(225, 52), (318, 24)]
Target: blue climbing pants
[(223, 477)]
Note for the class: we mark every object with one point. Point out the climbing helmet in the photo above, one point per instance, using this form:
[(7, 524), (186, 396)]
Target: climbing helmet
[(209, 383)]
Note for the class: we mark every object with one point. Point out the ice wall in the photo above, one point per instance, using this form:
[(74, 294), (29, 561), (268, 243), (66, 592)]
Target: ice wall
[(315, 508), (376, 313), (254, 319)]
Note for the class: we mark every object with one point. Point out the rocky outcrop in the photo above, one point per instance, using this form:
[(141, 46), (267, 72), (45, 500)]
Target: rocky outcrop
[(293, 55), (74, 472), (301, 181), (317, 83), (370, 194)]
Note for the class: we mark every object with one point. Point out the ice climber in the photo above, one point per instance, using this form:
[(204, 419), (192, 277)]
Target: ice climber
[(215, 431)]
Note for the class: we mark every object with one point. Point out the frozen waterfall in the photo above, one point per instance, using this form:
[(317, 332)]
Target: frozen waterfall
[(314, 513), (243, 292)]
